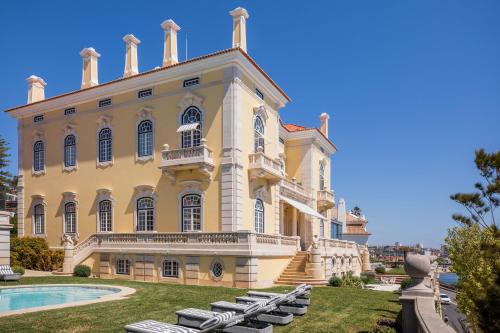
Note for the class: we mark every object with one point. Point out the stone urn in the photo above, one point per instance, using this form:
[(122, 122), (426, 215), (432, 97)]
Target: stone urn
[(417, 266)]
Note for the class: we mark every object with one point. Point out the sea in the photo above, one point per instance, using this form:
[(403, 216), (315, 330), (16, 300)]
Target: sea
[(448, 278)]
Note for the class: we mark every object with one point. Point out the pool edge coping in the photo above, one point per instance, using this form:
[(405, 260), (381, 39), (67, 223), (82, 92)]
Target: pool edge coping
[(122, 294)]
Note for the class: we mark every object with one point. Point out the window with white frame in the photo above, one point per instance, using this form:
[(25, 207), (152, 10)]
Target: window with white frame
[(39, 217), (321, 228), (145, 138), (70, 151), (259, 216), (123, 267), (191, 137), (70, 218), (105, 145), (170, 268), (258, 126), (191, 212), (105, 216), (217, 270), (145, 214), (321, 176), (39, 156)]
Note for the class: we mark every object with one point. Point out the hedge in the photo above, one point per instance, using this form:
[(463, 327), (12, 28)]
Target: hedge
[(34, 253)]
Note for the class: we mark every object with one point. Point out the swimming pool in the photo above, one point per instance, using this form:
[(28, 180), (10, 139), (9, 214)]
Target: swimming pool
[(43, 297)]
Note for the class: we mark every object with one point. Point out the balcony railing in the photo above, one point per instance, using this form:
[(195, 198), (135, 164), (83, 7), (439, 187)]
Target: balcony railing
[(192, 158), (263, 166), (294, 190), (325, 199), (242, 243)]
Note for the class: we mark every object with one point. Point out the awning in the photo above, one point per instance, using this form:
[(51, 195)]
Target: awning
[(303, 207), (187, 127)]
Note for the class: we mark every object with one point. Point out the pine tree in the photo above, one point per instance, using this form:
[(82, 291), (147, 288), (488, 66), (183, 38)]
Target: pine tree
[(5, 176)]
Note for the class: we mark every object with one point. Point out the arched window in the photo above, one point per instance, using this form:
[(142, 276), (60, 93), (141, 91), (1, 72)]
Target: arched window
[(191, 212), (69, 151), (38, 156), (192, 136), (321, 228), (258, 126), (70, 218), (170, 268), (123, 267), (105, 145), (321, 176), (145, 214), (39, 216), (105, 216), (145, 138), (259, 216)]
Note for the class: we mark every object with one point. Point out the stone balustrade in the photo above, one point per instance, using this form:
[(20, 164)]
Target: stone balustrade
[(198, 158), (325, 199), (263, 166), (291, 188), (187, 153), (241, 243)]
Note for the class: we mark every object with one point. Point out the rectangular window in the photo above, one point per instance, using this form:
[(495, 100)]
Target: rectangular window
[(69, 111), (145, 93), (37, 119), (191, 82), (259, 94), (105, 102), (123, 267)]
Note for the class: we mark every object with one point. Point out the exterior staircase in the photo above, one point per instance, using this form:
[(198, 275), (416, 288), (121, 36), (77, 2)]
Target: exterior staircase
[(295, 272)]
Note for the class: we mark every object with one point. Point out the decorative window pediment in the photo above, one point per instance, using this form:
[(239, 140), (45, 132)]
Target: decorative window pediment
[(104, 121), (104, 194), (261, 111), (145, 112), (69, 197), (190, 99), (144, 191)]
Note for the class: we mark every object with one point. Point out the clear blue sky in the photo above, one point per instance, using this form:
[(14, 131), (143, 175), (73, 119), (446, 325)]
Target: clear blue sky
[(413, 88)]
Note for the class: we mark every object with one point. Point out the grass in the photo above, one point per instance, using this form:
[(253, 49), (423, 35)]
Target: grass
[(397, 270), (331, 309)]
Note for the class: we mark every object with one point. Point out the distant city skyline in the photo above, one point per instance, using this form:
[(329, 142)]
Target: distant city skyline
[(411, 88)]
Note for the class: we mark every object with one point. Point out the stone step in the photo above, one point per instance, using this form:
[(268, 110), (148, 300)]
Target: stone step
[(287, 283)]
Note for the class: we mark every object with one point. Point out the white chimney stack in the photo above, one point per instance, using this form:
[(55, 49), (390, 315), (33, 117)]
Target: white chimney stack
[(131, 61), (240, 16), (341, 214), (170, 47), (324, 123), (36, 89), (89, 71)]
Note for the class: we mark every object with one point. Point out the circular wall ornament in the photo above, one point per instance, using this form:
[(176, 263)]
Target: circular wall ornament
[(217, 270)]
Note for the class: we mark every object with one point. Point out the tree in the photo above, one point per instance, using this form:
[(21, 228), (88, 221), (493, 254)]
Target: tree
[(356, 211), (5, 176), (474, 247)]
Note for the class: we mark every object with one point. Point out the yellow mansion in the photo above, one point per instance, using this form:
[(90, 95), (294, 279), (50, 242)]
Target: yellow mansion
[(184, 173)]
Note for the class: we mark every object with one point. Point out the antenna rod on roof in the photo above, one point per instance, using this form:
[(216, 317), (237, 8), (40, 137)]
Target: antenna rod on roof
[(186, 46)]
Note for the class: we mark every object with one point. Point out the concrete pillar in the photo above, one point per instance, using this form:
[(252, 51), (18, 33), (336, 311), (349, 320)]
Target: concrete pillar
[(192, 270), (5, 227), (36, 89), (294, 221), (240, 16), (366, 261), (131, 61), (247, 269), (90, 74), (68, 263), (314, 267), (282, 218), (170, 44)]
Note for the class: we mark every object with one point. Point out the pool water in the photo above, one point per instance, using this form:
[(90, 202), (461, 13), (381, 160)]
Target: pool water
[(29, 297)]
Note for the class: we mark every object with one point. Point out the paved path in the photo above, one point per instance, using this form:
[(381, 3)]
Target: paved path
[(451, 310)]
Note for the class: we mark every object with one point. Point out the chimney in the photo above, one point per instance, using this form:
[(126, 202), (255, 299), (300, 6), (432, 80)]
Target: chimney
[(131, 62), (341, 214), (240, 16), (170, 47), (324, 123), (36, 89), (89, 71)]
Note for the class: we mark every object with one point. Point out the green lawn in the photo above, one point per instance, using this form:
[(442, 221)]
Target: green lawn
[(397, 270), (331, 310)]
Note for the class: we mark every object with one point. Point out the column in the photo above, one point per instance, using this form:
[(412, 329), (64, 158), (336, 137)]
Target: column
[(294, 221)]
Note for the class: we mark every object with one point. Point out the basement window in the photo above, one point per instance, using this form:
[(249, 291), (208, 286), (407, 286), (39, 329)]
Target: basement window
[(69, 111), (37, 119), (191, 82), (105, 102), (259, 94), (145, 93)]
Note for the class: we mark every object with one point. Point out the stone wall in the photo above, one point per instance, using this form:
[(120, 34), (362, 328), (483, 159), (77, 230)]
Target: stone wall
[(5, 227)]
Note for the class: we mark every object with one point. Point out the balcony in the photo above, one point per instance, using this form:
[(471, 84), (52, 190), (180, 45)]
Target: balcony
[(290, 188), (193, 158), (263, 166), (325, 199)]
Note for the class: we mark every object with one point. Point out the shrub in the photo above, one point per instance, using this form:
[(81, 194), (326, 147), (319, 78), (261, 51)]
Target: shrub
[(18, 269), (351, 281), (335, 281), (405, 283), (368, 277), (385, 326), (82, 270), (380, 269), (34, 253)]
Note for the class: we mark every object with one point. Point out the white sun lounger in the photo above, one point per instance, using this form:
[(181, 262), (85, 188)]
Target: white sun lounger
[(6, 274), (218, 322)]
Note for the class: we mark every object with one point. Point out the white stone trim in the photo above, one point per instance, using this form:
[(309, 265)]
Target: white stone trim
[(105, 194), (68, 197), (214, 261), (104, 121), (162, 259), (37, 199), (188, 100), (145, 113), (20, 182), (141, 191), (114, 264), (69, 129), (38, 135), (191, 187)]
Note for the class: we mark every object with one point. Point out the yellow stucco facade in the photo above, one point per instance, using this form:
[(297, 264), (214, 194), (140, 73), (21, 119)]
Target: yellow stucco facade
[(232, 193)]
